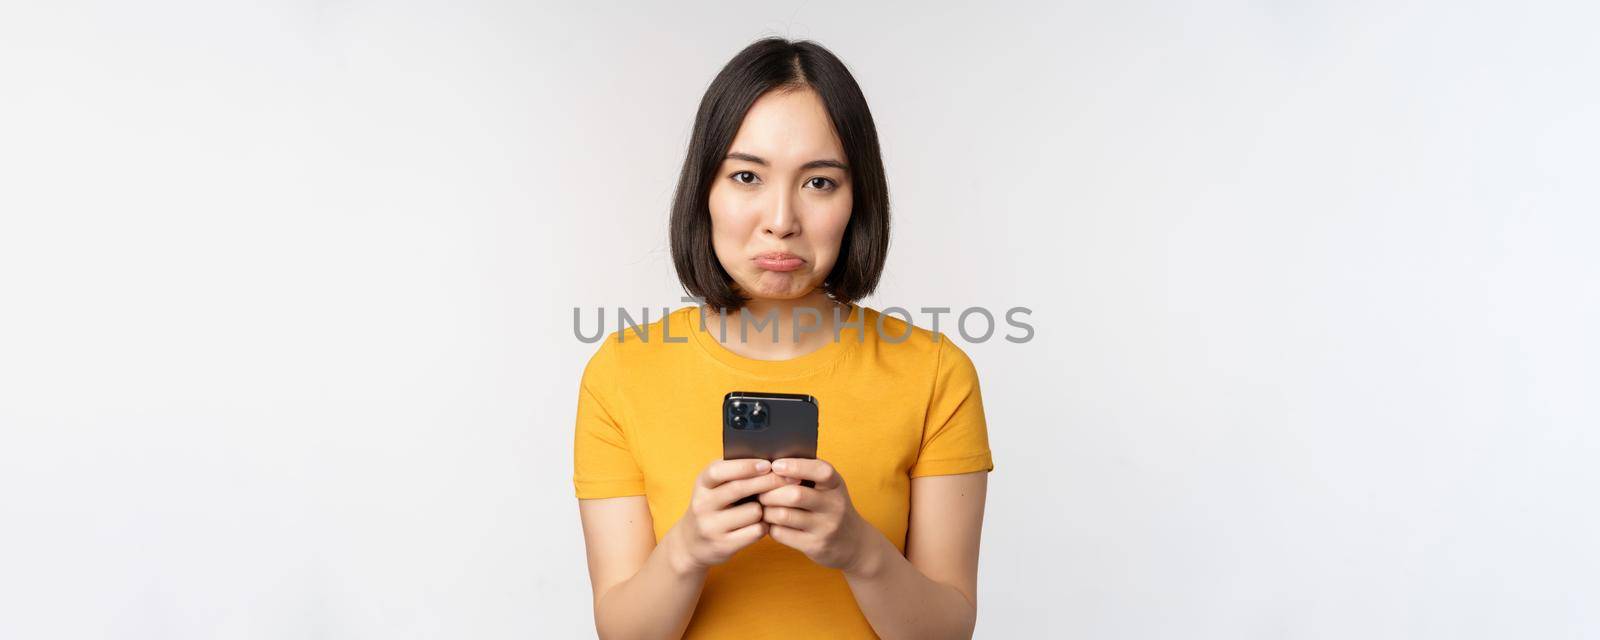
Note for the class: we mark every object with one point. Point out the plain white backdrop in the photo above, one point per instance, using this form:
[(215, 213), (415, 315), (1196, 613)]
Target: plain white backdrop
[(286, 293)]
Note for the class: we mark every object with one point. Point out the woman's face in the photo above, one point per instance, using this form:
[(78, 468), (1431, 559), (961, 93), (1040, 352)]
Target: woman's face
[(781, 198)]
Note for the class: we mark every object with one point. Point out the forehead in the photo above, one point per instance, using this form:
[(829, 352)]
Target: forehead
[(788, 127)]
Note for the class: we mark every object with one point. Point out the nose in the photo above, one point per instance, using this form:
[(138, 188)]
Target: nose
[(781, 221)]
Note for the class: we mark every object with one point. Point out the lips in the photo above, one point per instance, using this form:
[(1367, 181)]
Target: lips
[(779, 261)]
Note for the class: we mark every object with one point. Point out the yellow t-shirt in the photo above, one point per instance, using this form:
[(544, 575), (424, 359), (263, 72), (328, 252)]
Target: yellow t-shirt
[(650, 419)]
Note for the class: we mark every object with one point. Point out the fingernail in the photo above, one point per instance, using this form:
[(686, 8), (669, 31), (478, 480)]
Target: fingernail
[(780, 466), (762, 466)]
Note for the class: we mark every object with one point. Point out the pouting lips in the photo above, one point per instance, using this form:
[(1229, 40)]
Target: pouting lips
[(779, 261)]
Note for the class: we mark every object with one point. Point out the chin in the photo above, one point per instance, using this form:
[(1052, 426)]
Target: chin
[(774, 291), (784, 294)]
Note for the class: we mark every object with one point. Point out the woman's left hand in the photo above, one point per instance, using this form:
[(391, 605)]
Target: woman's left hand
[(819, 522)]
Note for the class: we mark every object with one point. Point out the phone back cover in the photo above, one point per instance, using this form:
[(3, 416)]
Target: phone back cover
[(791, 430)]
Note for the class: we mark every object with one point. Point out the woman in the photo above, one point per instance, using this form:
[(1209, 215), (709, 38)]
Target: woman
[(781, 216)]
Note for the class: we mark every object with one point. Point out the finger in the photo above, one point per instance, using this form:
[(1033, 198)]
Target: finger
[(817, 471), (732, 490), (793, 496), (733, 518), (724, 470), (792, 538), (789, 517), (748, 534)]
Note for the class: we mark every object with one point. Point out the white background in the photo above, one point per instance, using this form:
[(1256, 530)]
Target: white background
[(286, 293)]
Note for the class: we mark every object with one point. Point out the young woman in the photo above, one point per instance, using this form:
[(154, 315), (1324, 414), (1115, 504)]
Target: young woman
[(780, 223)]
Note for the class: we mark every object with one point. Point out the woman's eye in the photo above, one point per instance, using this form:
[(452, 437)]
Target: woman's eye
[(744, 177), (820, 184)]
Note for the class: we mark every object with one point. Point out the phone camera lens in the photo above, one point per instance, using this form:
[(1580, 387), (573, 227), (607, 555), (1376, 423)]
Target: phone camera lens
[(738, 422), (740, 408)]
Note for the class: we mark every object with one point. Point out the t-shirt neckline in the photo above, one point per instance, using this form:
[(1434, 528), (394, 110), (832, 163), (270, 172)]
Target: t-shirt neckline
[(790, 368)]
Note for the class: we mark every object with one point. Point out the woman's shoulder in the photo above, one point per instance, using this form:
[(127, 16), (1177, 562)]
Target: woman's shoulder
[(638, 334), (645, 327), (896, 335)]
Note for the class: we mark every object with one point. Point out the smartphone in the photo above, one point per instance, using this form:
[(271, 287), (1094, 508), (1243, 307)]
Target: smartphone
[(768, 426)]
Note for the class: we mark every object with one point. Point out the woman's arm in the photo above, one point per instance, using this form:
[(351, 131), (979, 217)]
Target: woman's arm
[(931, 592), (637, 590), (648, 590)]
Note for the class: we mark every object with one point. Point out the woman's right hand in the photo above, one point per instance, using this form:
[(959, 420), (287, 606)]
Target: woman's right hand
[(712, 530)]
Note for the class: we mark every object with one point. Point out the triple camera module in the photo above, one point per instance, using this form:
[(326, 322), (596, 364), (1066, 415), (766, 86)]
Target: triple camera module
[(750, 415)]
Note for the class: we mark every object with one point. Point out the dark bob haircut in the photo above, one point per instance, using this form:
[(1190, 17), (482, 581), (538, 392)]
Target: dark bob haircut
[(767, 65)]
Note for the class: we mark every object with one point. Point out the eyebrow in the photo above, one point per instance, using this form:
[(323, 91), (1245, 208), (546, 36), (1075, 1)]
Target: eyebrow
[(809, 165)]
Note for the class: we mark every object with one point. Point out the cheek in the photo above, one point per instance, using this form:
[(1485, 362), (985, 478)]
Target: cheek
[(829, 223), (730, 219)]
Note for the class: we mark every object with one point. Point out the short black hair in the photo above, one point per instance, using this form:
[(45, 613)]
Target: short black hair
[(766, 65)]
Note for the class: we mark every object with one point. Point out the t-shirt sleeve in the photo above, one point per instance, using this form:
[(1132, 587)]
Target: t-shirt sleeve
[(955, 436), (603, 466)]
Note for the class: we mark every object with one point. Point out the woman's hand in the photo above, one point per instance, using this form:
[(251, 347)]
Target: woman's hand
[(712, 530), (819, 522)]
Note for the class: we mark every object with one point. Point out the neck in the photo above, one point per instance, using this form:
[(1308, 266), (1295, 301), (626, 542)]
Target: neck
[(815, 314)]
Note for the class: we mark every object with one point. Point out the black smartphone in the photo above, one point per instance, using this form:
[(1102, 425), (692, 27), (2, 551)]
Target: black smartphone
[(768, 426)]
